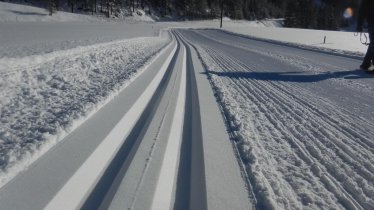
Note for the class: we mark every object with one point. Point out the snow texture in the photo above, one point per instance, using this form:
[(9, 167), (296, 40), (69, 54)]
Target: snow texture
[(336, 41), (301, 151), (42, 101), (25, 39)]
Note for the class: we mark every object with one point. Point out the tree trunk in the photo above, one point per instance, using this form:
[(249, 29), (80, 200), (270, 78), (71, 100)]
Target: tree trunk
[(107, 6), (221, 13)]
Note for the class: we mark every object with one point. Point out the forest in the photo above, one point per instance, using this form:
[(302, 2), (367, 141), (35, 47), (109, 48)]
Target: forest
[(313, 14)]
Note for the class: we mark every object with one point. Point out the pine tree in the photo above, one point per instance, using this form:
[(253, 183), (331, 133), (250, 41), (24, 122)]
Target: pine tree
[(52, 6), (71, 4)]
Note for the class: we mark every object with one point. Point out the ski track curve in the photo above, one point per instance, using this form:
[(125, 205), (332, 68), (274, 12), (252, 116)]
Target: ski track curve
[(301, 150)]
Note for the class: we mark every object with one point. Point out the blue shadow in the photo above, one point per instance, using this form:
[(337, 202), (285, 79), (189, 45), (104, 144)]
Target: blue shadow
[(299, 77)]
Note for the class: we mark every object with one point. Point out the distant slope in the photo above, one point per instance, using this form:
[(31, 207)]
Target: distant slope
[(10, 12), (21, 13)]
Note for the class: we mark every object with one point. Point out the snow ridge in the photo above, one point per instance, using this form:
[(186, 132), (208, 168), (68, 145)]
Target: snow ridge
[(42, 103)]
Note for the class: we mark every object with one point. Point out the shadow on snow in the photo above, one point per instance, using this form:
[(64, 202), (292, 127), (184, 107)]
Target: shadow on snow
[(299, 77), (27, 13)]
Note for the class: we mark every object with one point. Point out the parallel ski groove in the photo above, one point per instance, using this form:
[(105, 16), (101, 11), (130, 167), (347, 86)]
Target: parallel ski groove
[(163, 196)]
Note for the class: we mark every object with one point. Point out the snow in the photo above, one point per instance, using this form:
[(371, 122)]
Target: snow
[(339, 42), (10, 12), (42, 101), (140, 15), (336, 41), (21, 13), (105, 152), (25, 39), (302, 149), (56, 71), (163, 196)]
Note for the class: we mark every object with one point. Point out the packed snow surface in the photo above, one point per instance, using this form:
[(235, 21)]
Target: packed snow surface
[(301, 149), (25, 39), (56, 70)]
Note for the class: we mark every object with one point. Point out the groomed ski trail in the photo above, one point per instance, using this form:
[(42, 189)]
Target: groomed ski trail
[(301, 150)]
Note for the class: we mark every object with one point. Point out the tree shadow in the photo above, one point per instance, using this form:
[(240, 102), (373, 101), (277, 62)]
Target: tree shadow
[(298, 77), (27, 13)]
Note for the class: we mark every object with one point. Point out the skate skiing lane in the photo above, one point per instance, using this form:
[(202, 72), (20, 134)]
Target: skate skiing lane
[(319, 103), (223, 169), (328, 75)]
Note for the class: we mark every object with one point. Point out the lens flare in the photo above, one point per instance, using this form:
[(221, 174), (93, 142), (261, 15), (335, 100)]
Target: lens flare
[(348, 13)]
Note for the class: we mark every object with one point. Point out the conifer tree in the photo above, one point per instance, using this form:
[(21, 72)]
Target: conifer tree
[(52, 6)]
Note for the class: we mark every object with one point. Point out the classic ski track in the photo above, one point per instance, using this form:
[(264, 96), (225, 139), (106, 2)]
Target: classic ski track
[(322, 135), (156, 140)]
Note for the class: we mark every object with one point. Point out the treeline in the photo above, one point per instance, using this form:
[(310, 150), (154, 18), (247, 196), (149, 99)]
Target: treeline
[(235, 9), (323, 14), (314, 14), (108, 7)]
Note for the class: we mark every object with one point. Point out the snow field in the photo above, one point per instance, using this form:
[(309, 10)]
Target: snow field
[(336, 41), (43, 101), (300, 151), (18, 40)]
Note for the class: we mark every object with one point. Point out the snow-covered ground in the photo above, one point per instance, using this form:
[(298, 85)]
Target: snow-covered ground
[(298, 118), (43, 99), (56, 70), (21, 40), (336, 41)]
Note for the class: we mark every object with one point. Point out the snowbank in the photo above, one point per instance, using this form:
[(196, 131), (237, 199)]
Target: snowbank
[(42, 101)]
